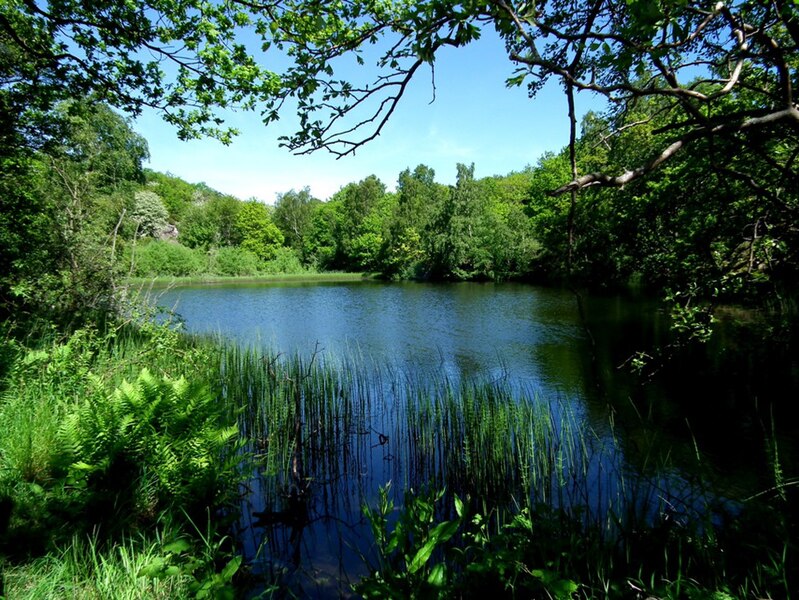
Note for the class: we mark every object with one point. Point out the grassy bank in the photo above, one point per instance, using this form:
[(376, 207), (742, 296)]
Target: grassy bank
[(117, 461), (127, 455), (167, 281)]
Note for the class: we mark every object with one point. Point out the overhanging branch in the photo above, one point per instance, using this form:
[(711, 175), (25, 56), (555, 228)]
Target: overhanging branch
[(789, 115)]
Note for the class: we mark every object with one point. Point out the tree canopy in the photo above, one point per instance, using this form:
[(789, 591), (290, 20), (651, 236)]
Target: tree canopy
[(720, 70), (189, 58)]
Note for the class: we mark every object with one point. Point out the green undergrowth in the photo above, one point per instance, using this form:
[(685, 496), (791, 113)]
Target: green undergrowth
[(425, 549), (108, 438)]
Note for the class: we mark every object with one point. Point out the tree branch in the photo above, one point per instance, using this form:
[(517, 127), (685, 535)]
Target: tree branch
[(789, 115)]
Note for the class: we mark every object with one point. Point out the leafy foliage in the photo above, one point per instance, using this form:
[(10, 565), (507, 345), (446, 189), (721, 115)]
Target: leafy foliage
[(541, 552), (256, 231), (232, 261), (176, 193), (166, 258), (285, 260), (418, 559), (117, 51), (210, 221), (167, 436), (293, 215), (78, 194), (404, 568)]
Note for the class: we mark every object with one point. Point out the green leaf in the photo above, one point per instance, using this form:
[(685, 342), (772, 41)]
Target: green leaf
[(437, 577), (230, 569), (155, 568), (563, 588), (514, 81), (177, 547), (440, 534), (459, 507)]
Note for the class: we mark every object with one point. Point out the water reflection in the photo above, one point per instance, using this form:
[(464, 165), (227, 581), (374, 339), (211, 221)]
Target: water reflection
[(470, 329), (706, 414), (719, 396)]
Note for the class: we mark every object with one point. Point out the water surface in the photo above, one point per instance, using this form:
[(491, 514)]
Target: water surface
[(711, 401)]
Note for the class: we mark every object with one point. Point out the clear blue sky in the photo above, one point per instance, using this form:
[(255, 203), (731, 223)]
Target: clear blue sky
[(474, 119)]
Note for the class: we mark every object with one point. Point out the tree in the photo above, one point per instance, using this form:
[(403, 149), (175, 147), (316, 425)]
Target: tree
[(69, 211), (293, 214), (453, 245), (624, 52), (507, 235), (418, 196), (323, 245), (181, 58), (621, 51), (176, 193), (256, 232), (363, 214), (211, 220), (24, 235), (149, 213)]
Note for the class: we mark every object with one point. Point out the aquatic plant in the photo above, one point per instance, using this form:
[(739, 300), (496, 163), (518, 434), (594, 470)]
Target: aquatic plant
[(548, 505)]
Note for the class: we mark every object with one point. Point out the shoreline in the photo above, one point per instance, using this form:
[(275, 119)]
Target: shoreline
[(162, 282)]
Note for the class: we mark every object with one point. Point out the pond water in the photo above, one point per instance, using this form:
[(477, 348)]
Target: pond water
[(462, 329), (718, 401)]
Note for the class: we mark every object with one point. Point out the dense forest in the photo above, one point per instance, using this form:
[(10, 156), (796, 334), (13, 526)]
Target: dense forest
[(686, 185), (126, 443), (82, 213)]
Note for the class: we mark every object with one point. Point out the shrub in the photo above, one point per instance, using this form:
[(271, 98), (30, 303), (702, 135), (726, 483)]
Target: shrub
[(167, 258), (232, 261), (151, 445), (285, 261)]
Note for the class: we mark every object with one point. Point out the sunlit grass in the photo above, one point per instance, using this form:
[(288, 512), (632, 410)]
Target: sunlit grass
[(168, 281), (84, 570)]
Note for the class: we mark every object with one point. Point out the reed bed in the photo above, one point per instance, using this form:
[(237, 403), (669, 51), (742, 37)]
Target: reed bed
[(327, 433), (353, 425)]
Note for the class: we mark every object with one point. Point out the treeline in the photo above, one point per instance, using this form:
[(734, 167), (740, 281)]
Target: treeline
[(700, 227), (424, 230), (80, 213)]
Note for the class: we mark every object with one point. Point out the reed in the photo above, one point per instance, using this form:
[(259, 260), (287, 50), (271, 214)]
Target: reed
[(328, 432)]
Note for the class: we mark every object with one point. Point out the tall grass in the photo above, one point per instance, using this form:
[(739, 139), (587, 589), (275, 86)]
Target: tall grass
[(486, 440), (327, 432), (105, 435), (85, 569)]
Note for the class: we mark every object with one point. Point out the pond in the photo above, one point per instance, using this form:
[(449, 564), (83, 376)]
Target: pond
[(706, 412)]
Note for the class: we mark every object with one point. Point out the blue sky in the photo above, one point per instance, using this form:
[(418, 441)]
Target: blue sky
[(474, 119)]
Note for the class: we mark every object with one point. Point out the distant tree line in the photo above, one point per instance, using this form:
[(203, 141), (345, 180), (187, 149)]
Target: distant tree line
[(80, 212)]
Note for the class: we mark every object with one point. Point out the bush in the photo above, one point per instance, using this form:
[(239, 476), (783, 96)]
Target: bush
[(285, 261), (232, 261), (167, 258)]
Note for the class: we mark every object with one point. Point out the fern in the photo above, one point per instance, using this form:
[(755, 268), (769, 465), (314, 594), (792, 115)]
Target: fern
[(167, 439)]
